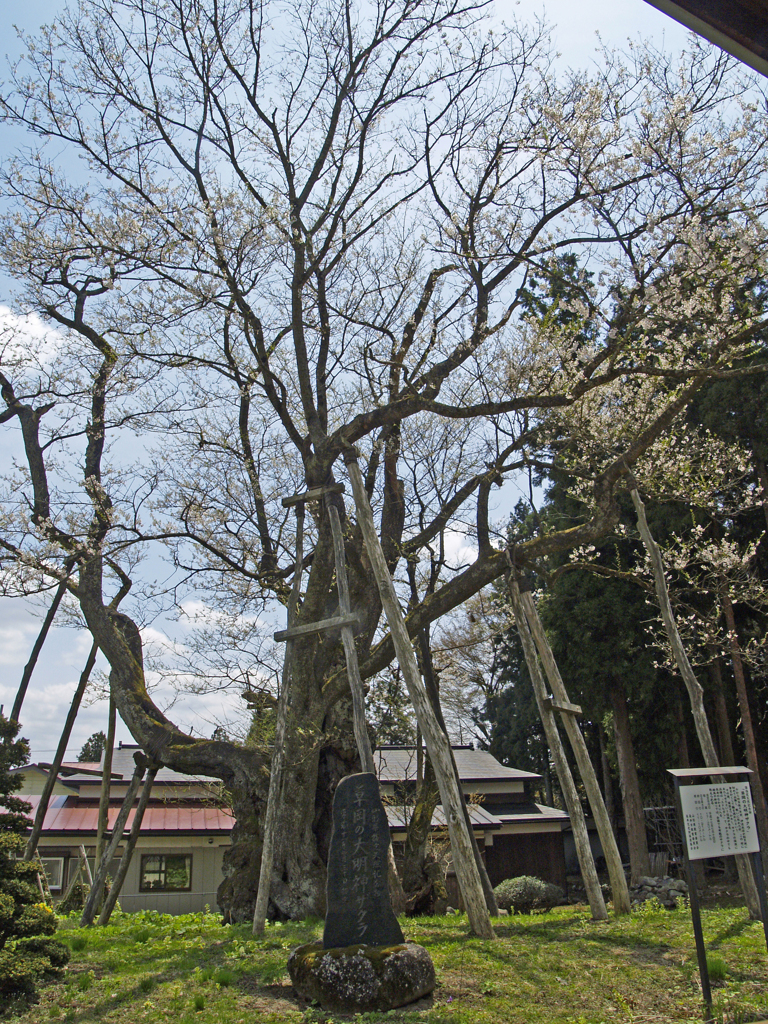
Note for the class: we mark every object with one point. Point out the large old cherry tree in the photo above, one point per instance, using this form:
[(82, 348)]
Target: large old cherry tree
[(265, 232)]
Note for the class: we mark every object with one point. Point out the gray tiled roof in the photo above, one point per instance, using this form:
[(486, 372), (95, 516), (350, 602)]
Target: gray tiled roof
[(398, 764), (477, 815)]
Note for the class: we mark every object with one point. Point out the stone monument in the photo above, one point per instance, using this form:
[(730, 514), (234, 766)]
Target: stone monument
[(363, 962), (358, 906)]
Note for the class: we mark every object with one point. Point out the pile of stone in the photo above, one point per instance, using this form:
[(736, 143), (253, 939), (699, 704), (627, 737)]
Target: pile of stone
[(666, 890)]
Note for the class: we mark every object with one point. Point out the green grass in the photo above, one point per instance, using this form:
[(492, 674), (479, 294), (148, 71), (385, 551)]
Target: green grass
[(556, 968)]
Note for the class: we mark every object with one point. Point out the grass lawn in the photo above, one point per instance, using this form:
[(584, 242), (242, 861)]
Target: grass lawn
[(555, 968)]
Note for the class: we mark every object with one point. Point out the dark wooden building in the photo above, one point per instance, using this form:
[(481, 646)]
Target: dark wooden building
[(516, 836)]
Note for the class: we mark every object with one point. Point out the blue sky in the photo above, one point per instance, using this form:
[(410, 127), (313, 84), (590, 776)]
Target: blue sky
[(575, 34)]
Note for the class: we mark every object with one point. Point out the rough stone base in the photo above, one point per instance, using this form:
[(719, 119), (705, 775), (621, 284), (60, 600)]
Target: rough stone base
[(357, 979), (666, 890)]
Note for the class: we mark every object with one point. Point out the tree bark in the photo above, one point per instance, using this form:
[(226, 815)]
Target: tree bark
[(692, 685), (567, 785), (634, 819), (722, 721), (683, 756), (755, 781), (419, 888), (605, 769)]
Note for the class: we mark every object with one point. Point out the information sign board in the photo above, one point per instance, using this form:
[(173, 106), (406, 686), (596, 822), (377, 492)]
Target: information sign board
[(719, 820)]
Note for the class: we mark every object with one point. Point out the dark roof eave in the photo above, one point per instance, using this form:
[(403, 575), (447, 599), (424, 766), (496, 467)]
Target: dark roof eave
[(733, 26)]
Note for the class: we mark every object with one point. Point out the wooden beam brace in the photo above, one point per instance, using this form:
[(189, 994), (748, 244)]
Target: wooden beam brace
[(313, 494), (308, 628), (564, 706)]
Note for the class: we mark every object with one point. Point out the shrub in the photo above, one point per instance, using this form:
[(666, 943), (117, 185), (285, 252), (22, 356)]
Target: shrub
[(716, 968), (25, 955), (525, 894)]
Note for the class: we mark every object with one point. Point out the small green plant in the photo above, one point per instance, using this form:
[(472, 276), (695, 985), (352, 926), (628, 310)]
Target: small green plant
[(146, 984), (525, 894), (85, 981), (198, 1001), (223, 977), (649, 907), (141, 935), (717, 969), (78, 943)]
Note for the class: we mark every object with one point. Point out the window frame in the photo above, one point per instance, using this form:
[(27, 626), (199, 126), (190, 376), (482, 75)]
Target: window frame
[(59, 861), (162, 871)]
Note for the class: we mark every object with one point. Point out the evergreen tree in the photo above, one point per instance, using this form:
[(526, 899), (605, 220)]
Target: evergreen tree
[(93, 748), (26, 954), (389, 710)]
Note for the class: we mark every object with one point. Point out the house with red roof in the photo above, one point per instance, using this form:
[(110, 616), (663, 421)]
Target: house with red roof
[(177, 865)]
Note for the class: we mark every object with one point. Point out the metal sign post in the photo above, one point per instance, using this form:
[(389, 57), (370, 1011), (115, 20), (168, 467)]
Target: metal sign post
[(716, 820)]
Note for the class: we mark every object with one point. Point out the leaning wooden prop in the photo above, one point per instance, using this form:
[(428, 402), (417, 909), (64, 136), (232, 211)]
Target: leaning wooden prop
[(363, 962)]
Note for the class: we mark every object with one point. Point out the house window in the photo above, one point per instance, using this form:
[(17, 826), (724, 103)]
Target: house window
[(54, 871), (166, 873)]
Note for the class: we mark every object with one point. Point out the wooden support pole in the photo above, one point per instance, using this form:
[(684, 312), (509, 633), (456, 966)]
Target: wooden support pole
[(66, 732), (106, 780), (619, 889), (77, 876), (692, 685), (94, 895), (125, 861), (556, 749), (36, 648), (278, 749), (86, 865), (350, 654), (434, 737), (397, 896)]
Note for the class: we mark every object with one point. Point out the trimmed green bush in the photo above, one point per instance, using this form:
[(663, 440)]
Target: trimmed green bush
[(25, 954), (525, 894)]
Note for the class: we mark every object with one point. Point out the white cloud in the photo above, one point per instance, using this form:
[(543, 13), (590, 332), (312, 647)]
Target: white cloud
[(459, 548), (25, 335)]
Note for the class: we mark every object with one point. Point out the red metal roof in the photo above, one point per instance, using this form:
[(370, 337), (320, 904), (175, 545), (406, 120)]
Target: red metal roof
[(66, 814)]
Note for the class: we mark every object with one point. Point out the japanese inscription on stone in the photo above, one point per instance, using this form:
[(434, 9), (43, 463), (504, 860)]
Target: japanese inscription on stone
[(357, 892), (719, 820)]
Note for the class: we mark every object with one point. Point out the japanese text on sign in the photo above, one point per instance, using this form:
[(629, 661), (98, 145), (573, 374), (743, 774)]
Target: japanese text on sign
[(719, 820)]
